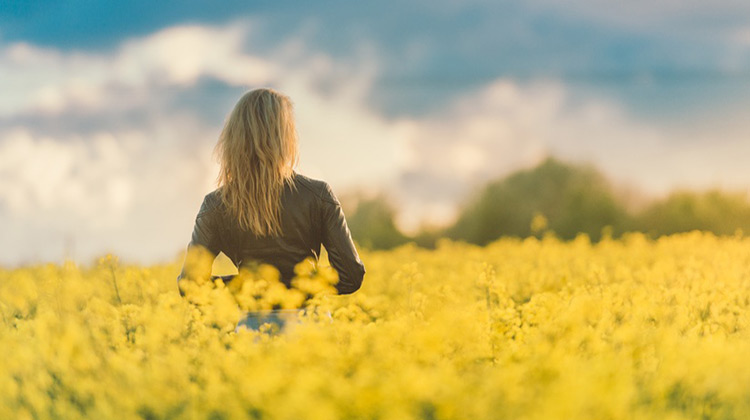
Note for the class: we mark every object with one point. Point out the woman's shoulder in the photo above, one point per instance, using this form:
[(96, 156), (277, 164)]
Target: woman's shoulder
[(319, 188), (211, 202)]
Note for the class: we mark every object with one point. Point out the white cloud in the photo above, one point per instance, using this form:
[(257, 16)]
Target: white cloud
[(47, 175), (108, 191), (39, 80), (134, 189), (180, 55)]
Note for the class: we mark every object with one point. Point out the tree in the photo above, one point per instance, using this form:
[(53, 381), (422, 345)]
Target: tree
[(572, 199), (719, 212), (372, 225)]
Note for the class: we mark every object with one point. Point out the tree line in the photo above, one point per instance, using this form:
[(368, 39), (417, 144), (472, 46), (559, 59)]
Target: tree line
[(559, 198)]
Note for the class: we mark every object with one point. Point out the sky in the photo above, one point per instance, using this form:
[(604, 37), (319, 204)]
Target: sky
[(109, 111)]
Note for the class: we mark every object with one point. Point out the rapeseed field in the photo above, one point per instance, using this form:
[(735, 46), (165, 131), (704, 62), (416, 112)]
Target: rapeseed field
[(631, 328)]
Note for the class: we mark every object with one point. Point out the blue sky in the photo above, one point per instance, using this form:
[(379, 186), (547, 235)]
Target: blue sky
[(111, 109), (436, 49)]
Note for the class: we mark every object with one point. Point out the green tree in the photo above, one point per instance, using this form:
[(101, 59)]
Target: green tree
[(372, 225), (571, 199), (714, 211)]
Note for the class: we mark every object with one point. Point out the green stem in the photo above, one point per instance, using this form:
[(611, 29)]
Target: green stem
[(114, 281)]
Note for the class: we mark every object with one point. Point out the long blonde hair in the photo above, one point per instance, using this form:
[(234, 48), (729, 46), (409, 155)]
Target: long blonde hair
[(258, 151)]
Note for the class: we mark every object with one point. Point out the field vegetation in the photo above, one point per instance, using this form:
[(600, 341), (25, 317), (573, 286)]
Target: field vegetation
[(518, 329)]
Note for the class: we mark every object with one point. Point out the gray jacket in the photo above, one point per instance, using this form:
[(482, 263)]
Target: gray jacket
[(311, 216)]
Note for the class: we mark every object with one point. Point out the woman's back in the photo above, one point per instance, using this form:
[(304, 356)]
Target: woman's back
[(263, 211), (310, 216)]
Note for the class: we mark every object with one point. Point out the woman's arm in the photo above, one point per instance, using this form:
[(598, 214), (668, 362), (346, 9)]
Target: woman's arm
[(203, 247), (338, 242)]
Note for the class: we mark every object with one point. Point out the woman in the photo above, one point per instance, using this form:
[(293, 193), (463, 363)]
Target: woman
[(263, 211)]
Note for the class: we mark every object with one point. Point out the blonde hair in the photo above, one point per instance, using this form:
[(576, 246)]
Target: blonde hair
[(258, 151)]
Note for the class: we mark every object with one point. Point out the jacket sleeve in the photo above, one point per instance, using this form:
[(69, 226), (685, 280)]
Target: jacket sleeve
[(337, 240), (203, 246), (206, 230)]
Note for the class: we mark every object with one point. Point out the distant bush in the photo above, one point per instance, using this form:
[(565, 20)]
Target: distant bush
[(372, 224), (713, 211), (560, 198), (565, 199)]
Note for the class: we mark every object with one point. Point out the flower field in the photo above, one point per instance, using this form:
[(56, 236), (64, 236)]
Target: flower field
[(520, 329)]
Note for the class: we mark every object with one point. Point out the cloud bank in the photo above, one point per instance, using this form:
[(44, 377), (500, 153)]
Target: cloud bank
[(103, 153), (133, 187)]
